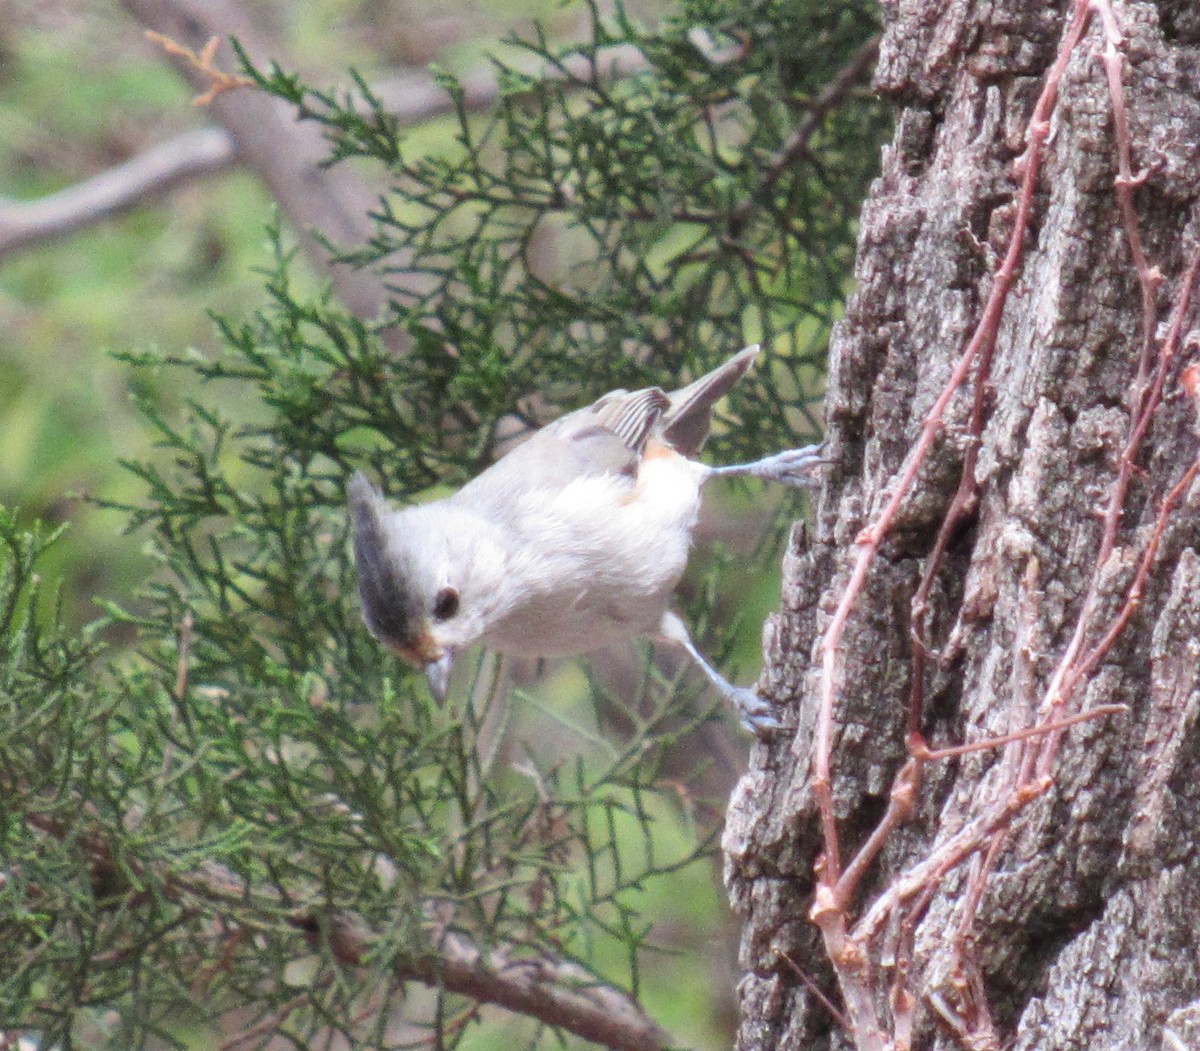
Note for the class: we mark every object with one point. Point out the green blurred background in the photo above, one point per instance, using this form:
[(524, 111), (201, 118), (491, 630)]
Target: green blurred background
[(82, 90)]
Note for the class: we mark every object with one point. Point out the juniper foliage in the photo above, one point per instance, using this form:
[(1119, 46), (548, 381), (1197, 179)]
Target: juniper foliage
[(255, 813)]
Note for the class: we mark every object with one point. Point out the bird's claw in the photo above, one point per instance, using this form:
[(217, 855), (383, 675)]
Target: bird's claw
[(754, 712), (794, 467)]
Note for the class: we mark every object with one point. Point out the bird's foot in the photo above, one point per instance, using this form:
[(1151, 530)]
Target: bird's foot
[(754, 711), (794, 467)]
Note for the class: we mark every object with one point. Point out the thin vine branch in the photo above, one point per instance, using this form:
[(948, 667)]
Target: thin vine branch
[(1027, 771)]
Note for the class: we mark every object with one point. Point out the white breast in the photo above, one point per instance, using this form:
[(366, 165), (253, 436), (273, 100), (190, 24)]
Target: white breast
[(597, 561)]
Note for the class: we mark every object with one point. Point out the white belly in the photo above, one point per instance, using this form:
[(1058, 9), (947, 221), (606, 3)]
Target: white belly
[(603, 560)]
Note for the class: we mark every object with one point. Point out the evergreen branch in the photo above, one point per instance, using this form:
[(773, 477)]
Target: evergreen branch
[(550, 989), (833, 95), (257, 777)]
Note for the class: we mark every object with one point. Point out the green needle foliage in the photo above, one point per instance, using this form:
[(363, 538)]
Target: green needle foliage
[(255, 820)]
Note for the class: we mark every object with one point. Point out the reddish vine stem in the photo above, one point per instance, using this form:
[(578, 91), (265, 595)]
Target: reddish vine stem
[(975, 888), (1037, 760), (1134, 597), (872, 537), (811, 986), (1170, 348), (914, 913), (1026, 773), (900, 807), (921, 882), (1149, 277), (1027, 787), (833, 892), (1055, 698), (1029, 732), (1070, 669)]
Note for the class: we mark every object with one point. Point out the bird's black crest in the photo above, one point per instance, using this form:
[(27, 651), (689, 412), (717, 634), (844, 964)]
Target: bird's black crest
[(387, 603)]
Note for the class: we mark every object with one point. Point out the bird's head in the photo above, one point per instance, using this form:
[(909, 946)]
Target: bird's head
[(426, 575)]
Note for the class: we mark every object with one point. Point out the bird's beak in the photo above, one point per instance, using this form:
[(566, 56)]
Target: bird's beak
[(437, 673)]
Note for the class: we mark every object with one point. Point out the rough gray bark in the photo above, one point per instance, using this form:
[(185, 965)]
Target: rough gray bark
[(1088, 930)]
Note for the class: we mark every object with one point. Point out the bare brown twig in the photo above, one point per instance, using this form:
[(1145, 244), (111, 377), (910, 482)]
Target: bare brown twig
[(139, 180), (205, 64), (410, 97)]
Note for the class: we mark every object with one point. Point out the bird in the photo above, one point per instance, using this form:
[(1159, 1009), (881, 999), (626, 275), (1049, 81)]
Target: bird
[(574, 540)]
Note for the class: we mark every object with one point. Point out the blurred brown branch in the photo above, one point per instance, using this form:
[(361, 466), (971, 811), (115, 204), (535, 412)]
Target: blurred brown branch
[(140, 179), (255, 132), (327, 207)]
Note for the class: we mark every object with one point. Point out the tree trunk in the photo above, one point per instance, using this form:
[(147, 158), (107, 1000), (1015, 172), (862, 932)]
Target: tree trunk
[(1026, 389)]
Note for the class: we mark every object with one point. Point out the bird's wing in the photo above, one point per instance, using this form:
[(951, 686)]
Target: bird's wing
[(605, 438), (631, 417), (688, 418)]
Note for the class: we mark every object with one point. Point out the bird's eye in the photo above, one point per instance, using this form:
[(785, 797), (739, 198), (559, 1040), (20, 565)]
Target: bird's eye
[(446, 604)]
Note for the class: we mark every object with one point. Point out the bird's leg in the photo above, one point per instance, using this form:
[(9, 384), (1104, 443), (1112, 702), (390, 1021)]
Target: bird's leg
[(754, 711), (797, 467)]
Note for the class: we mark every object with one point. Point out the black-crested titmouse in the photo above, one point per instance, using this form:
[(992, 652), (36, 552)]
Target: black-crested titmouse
[(574, 540)]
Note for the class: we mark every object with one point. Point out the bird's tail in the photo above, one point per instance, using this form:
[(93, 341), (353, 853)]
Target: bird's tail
[(687, 422)]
